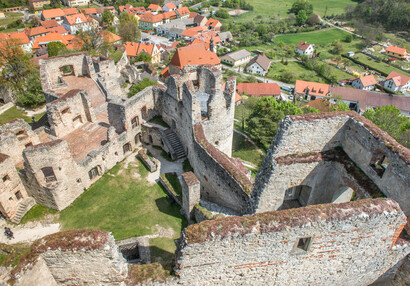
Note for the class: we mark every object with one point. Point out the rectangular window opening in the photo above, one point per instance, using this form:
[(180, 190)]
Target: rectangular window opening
[(304, 243)]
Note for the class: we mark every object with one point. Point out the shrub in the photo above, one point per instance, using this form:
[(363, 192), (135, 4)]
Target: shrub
[(146, 82)]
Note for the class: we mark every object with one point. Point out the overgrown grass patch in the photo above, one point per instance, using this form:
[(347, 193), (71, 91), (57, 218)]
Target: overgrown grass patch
[(14, 113), (321, 37), (245, 150), (158, 120), (124, 203), (36, 213)]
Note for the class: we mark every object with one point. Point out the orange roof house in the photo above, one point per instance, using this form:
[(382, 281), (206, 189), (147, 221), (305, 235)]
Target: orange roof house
[(397, 82), (396, 52), (19, 37), (42, 42), (109, 37), (183, 12), (258, 89), (36, 31), (53, 14), (134, 49), (309, 89), (49, 23), (154, 7), (213, 24), (367, 82), (70, 11), (192, 32), (321, 104), (71, 19), (193, 55)]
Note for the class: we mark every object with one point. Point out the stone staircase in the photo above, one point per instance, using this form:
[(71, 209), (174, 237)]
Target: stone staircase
[(23, 208), (176, 144)]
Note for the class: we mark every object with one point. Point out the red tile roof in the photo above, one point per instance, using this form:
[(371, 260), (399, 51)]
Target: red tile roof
[(213, 23), (237, 97), (315, 88), (183, 11), (192, 32), (194, 55), (53, 13), (258, 89), (303, 46), (154, 7), (70, 11), (368, 80), (169, 14), (321, 104), (151, 18), (35, 31), (398, 78), (109, 37), (49, 23), (71, 19), (50, 37), (21, 37), (396, 50), (193, 14), (171, 5), (134, 49), (165, 72)]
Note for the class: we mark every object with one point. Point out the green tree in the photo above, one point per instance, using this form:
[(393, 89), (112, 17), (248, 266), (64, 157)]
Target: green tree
[(288, 76), (107, 17), (32, 96), (261, 29), (342, 106), (348, 38), (337, 48), (390, 119), (301, 5), (143, 57), (54, 48), (301, 17), (128, 28), (16, 65), (308, 109), (94, 44), (222, 13), (146, 82)]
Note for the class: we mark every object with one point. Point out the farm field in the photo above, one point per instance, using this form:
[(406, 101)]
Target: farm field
[(299, 70), (280, 8), (320, 37), (384, 67)]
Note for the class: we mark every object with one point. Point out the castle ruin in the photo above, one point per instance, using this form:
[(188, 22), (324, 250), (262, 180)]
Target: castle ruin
[(328, 206)]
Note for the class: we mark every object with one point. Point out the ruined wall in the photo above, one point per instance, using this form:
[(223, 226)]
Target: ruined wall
[(12, 190), (60, 183), (15, 136), (69, 112), (347, 244), (77, 257), (106, 67), (302, 136)]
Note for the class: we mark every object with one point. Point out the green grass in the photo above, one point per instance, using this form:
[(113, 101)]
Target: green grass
[(298, 69), (11, 254), (174, 181), (125, 205), (280, 8), (320, 37), (158, 120), (10, 18), (37, 212), (186, 166), (384, 67), (243, 149), (14, 113)]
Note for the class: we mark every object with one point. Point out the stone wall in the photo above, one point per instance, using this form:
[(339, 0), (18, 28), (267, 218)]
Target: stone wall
[(344, 244), (69, 112), (191, 194), (15, 136), (12, 189), (304, 136), (78, 257)]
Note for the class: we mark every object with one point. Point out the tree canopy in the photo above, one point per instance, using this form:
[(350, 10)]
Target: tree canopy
[(54, 48), (128, 28)]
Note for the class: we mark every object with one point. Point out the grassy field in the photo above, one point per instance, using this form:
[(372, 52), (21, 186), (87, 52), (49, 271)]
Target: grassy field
[(298, 69), (14, 113), (384, 67), (320, 37), (280, 8), (126, 204), (10, 17), (245, 150), (36, 213)]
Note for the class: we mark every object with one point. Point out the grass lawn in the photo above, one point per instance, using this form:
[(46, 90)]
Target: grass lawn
[(384, 67), (126, 204), (320, 37), (14, 113), (37, 212), (245, 150), (280, 8), (298, 69), (10, 17)]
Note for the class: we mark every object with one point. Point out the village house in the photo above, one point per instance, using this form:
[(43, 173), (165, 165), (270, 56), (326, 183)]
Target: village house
[(311, 90), (213, 24), (49, 24), (53, 14), (397, 82), (183, 12), (361, 100), (396, 52), (189, 34), (237, 58), (20, 38), (76, 3), (149, 21), (200, 20), (321, 104), (210, 39), (177, 4), (259, 89), (134, 49), (169, 7), (76, 22), (97, 12), (367, 82), (226, 37), (110, 37), (165, 29), (41, 42), (154, 8), (38, 4), (35, 32), (305, 49), (258, 65)]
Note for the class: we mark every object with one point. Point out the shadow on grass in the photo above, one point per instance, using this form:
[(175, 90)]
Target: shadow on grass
[(168, 206)]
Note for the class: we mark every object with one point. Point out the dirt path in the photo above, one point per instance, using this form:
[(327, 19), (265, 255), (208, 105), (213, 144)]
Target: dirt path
[(28, 232)]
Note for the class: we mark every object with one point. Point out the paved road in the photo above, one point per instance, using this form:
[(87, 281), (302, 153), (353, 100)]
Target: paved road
[(281, 84)]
